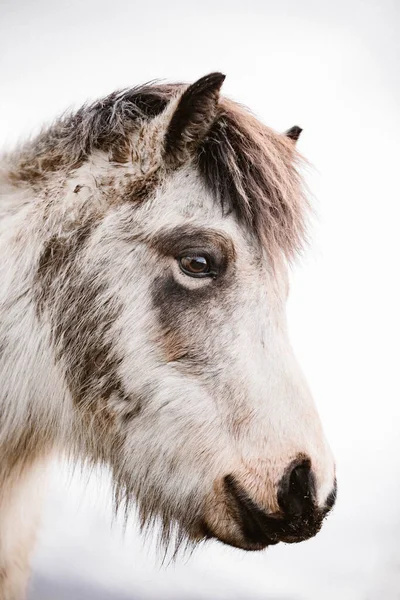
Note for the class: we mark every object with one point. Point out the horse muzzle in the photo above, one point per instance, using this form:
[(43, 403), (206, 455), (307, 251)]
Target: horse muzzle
[(251, 527)]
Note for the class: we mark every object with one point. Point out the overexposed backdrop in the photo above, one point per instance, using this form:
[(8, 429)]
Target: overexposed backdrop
[(333, 68)]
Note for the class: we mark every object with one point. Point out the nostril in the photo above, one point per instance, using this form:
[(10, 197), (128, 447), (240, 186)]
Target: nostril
[(296, 492)]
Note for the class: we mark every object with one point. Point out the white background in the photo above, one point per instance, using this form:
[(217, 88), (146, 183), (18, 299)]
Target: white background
[(333, 68)]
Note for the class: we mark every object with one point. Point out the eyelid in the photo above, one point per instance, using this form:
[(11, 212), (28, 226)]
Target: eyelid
[(195, 253), (215, 243)]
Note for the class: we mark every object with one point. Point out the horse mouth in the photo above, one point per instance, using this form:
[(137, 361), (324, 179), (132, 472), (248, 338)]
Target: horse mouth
[(292, 533), (250, 546), (241, 544)]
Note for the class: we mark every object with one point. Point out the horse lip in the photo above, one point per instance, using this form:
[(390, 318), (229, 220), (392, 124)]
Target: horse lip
[(249, 546), (208, 534), (243, 545)]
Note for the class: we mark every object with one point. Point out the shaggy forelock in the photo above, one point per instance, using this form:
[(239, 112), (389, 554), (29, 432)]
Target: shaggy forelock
[(251, 170)]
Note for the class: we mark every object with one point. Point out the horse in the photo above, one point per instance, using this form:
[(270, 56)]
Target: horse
[(146, 241)]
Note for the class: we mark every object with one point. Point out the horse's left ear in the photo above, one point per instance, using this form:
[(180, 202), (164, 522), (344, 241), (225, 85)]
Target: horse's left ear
[(294, 133), (193, 116)]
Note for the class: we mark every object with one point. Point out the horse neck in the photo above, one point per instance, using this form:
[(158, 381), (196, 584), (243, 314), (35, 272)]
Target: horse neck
[(32, 392), (29, 391)]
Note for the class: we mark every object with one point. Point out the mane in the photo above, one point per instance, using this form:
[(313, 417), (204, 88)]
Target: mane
[(250, 169)]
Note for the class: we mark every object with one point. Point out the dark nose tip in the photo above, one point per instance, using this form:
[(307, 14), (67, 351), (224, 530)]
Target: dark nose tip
[(296, 491), (299, 517)]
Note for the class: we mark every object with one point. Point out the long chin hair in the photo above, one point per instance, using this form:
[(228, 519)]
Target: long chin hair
[(175, 536)]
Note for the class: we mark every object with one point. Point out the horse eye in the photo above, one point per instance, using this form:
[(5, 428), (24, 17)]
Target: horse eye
[(195, 265)]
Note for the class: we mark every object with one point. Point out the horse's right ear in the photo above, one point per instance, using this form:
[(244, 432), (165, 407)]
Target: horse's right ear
[(193, 116)]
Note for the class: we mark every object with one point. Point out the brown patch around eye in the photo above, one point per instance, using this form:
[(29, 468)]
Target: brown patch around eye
[(186, 317), (175, 305)]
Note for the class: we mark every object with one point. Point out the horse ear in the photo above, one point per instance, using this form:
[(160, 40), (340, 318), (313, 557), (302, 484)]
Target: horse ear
[(194, 114), (294, 133)]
